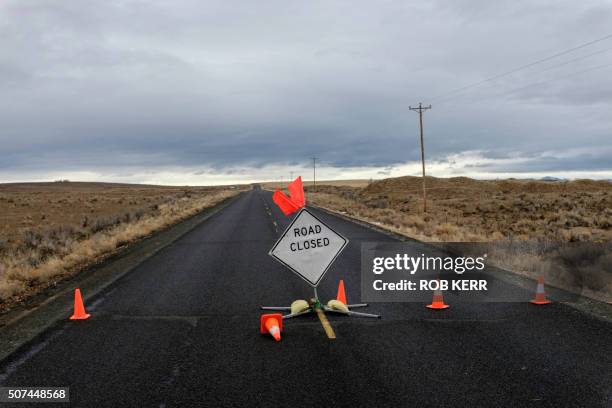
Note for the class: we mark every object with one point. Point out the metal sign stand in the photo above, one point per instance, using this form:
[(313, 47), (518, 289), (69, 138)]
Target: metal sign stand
[(315, 304)]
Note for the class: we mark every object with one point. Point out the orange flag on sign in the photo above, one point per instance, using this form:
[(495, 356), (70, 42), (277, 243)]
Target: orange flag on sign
[(296, 192), (295, 201)]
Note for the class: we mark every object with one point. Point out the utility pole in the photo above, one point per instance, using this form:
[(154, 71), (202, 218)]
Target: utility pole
[(291, 176), (422, 109), (314, 174)]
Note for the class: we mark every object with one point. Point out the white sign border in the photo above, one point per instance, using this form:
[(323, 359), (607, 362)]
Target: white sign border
[(346, 241)]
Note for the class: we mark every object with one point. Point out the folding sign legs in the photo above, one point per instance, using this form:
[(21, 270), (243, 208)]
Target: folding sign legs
[(315, 304), (290, 315), (351, 313)]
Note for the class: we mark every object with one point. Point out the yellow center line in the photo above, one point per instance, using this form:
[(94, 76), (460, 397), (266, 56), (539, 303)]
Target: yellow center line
[(325, 323)]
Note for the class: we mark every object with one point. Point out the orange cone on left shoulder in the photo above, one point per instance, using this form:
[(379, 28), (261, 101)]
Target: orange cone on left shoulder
[(271, 323), (79, 308)]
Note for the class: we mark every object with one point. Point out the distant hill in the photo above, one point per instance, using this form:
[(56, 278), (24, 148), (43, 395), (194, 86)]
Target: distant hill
[(414, 184)]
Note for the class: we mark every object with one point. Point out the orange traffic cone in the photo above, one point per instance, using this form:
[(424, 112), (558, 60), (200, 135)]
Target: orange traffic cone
[(341, 296), (540, 297), (79, 308), (438, 301), (273, 324)]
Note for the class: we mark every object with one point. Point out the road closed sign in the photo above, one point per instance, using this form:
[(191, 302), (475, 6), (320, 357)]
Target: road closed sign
[(308, 247)]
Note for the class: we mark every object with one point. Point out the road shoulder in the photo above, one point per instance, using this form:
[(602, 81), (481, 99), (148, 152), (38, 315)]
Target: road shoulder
[(594, 308), (25, 323)]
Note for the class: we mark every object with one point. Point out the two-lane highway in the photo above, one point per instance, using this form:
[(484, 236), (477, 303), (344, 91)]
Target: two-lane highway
[(182, 330)]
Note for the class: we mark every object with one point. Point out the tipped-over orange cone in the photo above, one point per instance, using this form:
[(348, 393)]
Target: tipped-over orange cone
[(341, 296), (540, 297), (438, 301), (79, 308), (273, 324)]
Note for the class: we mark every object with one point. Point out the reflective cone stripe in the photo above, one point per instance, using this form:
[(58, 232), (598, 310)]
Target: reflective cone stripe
[(273, 329), (272, 324), (540, 297), (438, 301), (79, 308)]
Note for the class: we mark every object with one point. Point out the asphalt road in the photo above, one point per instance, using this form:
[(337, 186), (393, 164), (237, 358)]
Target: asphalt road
[(182, 330)]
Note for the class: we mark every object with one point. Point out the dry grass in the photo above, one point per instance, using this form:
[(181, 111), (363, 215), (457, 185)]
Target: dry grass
[(81, 222), (530, 227), (579, 267), (462, 209)]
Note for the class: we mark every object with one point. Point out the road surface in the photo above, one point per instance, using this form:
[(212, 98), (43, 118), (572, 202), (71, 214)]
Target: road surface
[(182, 330)]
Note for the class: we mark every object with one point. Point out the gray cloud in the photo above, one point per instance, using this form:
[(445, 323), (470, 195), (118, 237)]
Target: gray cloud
[(596, 161), (112, 86)]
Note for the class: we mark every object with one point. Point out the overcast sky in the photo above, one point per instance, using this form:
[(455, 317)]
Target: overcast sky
[(200, 92)]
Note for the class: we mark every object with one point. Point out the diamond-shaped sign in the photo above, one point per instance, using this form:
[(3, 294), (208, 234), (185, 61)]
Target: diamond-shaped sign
[(308, 247)]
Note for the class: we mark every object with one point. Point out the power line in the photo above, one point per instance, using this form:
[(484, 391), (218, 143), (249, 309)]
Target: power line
[(573, 60), (520, 68), (557, 78), (547, 81), (448, 98)]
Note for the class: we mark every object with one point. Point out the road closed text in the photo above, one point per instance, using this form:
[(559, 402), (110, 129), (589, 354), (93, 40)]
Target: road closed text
[(311, 242)]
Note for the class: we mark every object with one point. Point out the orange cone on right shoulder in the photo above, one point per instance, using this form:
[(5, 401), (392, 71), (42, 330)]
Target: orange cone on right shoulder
[(540, 297), (438, 301)]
